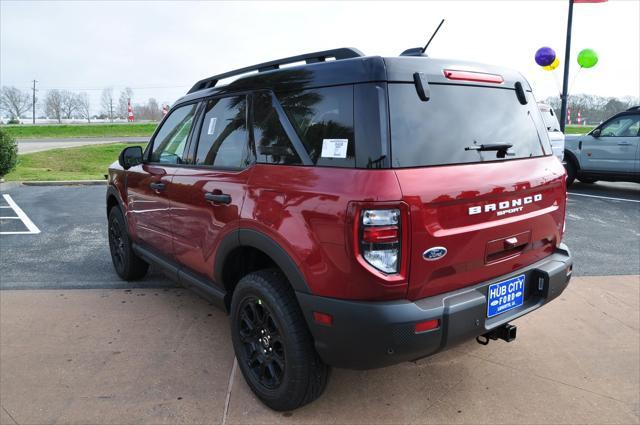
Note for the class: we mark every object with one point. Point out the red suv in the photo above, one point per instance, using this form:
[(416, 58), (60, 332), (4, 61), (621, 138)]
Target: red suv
[(355, 212)]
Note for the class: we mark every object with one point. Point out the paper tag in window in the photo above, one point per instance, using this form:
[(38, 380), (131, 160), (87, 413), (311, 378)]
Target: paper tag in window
[(334, 148), (212, 125)]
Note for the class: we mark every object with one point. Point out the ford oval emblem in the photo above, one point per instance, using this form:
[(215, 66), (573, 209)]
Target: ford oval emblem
[(435, 253)]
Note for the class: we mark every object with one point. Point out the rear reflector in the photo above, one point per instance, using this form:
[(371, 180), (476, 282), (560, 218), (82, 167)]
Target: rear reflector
[(323, 318), (380, 234), (427, 325), (480, 77)]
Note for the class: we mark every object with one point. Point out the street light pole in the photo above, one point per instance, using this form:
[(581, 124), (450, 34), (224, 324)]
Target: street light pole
[(33, 103), (565, 78)]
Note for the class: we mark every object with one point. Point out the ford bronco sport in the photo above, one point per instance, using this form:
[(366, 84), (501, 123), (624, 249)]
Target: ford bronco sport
[(355, 212)]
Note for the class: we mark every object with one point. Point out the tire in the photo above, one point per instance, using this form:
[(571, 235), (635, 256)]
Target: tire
[(587, 180), (571, 171), (127, 264), (272, 343)]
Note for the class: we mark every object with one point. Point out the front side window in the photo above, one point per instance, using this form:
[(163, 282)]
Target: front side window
[(323, 119), (223, 141), (272, 143), (171, 139), (625, 126)]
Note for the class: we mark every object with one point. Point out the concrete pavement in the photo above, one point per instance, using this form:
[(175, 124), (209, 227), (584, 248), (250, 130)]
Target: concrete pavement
[(39, 145), (164, 356)]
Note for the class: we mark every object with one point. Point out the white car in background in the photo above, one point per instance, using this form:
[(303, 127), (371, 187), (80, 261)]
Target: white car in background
[(553, 129)]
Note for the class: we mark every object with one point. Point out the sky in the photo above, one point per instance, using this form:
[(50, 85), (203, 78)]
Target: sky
[(160, 49)]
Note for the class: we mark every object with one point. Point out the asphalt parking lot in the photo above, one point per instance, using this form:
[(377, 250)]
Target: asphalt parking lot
[(79, 346)]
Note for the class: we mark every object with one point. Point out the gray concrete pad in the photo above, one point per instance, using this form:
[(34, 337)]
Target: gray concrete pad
[(164, 356)]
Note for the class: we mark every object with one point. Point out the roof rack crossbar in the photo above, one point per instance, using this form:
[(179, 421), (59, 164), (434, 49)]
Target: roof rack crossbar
[(338, 54)]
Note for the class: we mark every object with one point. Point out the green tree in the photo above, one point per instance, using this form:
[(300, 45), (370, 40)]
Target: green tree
[(8, 152)]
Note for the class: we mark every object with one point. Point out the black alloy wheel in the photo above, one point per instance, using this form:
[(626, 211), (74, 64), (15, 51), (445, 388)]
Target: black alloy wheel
[(263, 344)]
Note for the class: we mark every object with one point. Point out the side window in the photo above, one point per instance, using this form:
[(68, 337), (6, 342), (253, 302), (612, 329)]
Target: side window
[(223, 141), (323, 118), (170, 141), (625, 126), (272, 143)]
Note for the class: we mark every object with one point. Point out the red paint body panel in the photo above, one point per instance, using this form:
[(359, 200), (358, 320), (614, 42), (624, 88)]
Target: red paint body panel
[(148, 209), (199, 225), (305, 210), (440, 198)]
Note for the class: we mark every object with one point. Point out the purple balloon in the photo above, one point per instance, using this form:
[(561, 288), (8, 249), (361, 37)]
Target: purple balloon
[(545, 56)]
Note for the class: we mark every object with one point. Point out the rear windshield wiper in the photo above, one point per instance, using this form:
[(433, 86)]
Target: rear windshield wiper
[(500, 148), (490, 147)]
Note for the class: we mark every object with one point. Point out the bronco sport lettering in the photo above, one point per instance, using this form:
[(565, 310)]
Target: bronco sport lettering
[(329, 259), (506, 207)]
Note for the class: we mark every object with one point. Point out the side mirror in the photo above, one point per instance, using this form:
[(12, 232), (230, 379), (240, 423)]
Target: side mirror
[(130, 156), (596, 133)]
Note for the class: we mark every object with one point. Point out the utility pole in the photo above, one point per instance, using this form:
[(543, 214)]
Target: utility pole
[(565, 78), (33, 104)]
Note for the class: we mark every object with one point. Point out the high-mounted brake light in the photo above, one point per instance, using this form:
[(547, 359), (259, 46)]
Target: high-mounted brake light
[(479, 77)]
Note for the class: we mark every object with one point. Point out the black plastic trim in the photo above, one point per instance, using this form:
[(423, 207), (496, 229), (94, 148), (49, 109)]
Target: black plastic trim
[(338, 54), (178, 273), (366, 335), (264, 243)]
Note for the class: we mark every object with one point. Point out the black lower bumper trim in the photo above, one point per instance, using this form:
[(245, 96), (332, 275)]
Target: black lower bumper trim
[(366, 335)]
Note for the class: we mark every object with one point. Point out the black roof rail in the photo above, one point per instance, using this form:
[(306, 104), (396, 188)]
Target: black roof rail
[(341, 53), (633, 108)]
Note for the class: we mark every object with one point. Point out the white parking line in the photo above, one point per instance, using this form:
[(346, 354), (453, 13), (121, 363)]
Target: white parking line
[(33, 229), (603, 197)]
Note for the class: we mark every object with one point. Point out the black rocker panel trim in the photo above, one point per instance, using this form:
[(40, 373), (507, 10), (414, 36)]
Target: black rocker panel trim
[(199, 284)]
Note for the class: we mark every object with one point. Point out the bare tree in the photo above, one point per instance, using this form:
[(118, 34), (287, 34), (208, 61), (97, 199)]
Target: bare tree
[(151, 111), (108, 103), (53, 104), (154, 109), (69, 103), (84, 106), (123, 102), (14, 101)]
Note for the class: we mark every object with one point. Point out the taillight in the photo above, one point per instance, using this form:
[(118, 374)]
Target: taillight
[(380, 239)]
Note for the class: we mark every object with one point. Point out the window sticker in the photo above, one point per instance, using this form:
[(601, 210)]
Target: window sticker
[(334, 148), (212, 125)]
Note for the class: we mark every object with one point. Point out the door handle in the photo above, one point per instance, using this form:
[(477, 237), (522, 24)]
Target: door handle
[(218, 198), (624, 143), (159, 186)]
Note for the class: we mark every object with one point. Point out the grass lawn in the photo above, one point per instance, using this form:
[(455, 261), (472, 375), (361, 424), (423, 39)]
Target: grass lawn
[(26, 131), (578, 129), (81, 163)]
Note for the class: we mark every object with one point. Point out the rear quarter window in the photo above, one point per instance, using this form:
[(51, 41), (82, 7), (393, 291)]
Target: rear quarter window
[(437, 132), (319, 116)]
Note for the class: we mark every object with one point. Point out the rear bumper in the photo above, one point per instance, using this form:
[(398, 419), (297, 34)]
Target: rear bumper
[(366, 335)]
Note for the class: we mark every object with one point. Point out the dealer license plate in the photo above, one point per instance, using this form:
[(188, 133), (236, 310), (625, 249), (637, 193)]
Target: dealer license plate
[(506, 295)]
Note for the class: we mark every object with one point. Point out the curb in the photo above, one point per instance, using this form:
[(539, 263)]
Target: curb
[(65, 183)]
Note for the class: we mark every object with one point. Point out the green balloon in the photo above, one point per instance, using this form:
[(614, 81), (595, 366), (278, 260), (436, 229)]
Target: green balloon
[(587, 58)]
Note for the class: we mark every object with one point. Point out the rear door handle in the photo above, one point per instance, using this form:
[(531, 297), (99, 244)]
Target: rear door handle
[(159, 186), (218, 198), (624, 143)]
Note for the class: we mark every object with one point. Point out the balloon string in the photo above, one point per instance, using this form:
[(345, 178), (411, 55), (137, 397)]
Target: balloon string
[(573, 80)]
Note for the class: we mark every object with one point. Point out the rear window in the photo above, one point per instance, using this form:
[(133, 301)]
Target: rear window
[(550, 119), (456, 117)]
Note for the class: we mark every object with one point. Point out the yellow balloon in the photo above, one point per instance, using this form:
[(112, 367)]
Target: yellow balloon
[(553, 65)]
